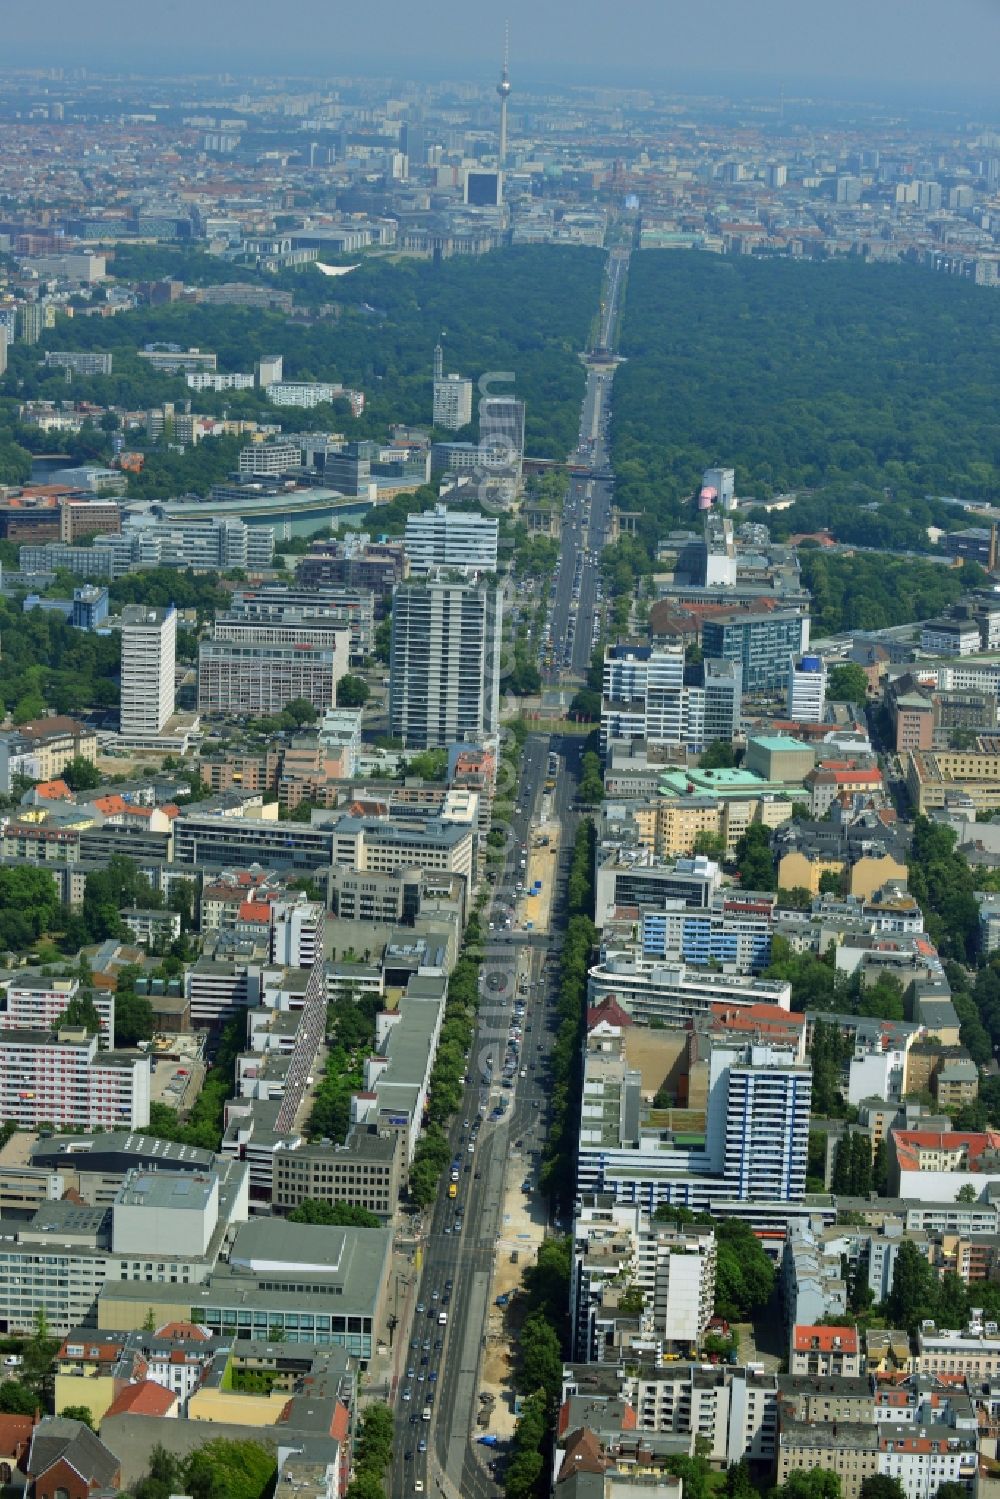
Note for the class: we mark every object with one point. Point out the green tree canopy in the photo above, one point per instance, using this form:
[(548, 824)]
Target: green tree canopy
[(224, 1469), (352, 692), (755, 860), (847, 683), (811, 1483), (82, 1011), (133, 1018), (881, 1486), (335, 1214), (720, 755), (81, 774), (744, 1276), (78, 1413)]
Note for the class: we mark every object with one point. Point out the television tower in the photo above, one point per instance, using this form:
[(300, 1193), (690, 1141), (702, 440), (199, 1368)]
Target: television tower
[(503, 89)]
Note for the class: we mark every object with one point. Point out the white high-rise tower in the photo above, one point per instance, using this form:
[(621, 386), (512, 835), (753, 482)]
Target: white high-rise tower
[(149, 642), (444, 661)]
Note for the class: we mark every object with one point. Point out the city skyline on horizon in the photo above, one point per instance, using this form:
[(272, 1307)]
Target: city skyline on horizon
[(736, 48)]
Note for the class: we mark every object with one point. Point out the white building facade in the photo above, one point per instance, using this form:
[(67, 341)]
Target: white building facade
[(149, 645)]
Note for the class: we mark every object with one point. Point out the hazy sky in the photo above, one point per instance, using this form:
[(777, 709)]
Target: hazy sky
[(937, 46)]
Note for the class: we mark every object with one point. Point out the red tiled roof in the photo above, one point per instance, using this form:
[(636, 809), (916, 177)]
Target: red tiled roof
[(255, 910), (55, 791), (45, 728), (607, 1011), (103, 1352), (808, 1337), (144, 1399), (15, 1434), (909, 1143), (754, 1017), (821, 538), (341, 1424), (112, 805), (583, 1455), (190, 1331)]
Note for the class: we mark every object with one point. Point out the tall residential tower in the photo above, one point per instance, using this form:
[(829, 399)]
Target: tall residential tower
[(444, 661), (149, 640)]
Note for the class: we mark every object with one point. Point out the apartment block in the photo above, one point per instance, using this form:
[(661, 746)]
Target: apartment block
[(354, 561), (750, 1145), (762, 641), (368, 1171), (734, 933), (806, 689), (309, 606), (637, 1284), (175, 361), (650, 694), (972, 1351), (932, 1165), (673, 993), (827, 1351), (452, 402), (444, 665), (451, 539), (80, 362), (36, 1004), (259, 680), (42, 750), (224, 842), (638, 878), (935, 780), (62, 1078), (149, 640), (501, 424), (270, 458)]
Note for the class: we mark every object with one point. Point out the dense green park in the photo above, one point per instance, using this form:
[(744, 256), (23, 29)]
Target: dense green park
[(525, 311), (873, 387)]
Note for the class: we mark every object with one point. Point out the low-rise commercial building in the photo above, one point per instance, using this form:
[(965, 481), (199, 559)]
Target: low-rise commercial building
[(368, 1171), (166, 1238), (935, 779), (293, 1281)]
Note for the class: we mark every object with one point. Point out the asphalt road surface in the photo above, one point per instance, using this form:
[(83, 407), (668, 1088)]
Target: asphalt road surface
[(459, 1237)]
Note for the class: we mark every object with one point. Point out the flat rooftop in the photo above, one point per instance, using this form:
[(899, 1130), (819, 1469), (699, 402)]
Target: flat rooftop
[(184, 1190)]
